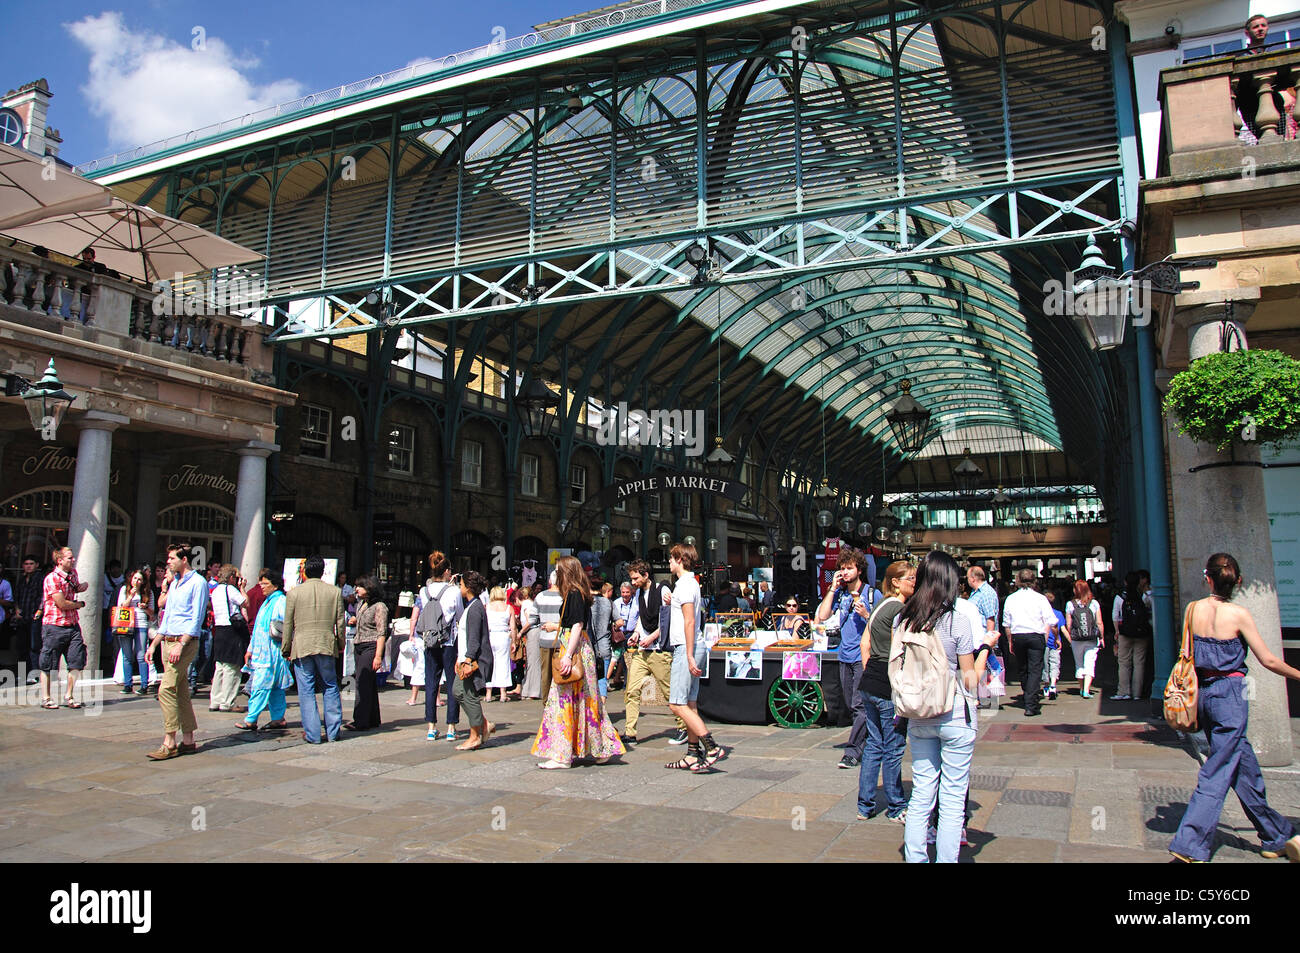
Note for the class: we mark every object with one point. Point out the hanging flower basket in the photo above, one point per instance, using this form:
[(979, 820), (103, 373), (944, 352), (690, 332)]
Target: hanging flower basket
[(1248, 396)]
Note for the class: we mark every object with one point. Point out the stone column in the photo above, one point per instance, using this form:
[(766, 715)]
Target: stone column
[(1222, 509), (144, 532), (88, 523), (248, 546)]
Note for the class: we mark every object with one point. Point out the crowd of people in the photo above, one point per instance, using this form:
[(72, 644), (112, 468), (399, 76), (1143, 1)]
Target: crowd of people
[(175, 628)]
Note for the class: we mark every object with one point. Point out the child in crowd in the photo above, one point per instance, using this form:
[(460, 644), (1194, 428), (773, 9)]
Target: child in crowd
[(1052, 658)]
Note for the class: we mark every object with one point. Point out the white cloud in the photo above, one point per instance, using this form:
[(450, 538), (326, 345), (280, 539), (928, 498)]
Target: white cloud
[(147, 86)]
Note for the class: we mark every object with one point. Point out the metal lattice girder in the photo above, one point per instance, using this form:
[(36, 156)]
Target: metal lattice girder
[(897, 138)]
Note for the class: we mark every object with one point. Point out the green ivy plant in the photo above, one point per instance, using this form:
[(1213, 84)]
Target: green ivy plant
[(1251, 396)]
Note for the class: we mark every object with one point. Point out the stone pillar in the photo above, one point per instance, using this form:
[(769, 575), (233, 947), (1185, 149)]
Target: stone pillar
[(1222, 509), (248, 546), (144, 527), (88, 523)]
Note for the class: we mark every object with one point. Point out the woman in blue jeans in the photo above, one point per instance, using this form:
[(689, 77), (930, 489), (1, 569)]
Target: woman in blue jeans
[(1220, 658), (137, 595), (882, 753), (942, 746)]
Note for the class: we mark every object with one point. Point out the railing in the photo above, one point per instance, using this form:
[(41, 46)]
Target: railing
[(40, 286), (502, 46), (1227, 102)]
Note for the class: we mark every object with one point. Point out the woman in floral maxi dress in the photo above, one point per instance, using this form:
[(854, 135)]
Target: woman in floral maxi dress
[(574, 723)]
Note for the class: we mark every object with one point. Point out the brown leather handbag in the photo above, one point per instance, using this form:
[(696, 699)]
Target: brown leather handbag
[(575, 670), (1183, 685), (466, 669)]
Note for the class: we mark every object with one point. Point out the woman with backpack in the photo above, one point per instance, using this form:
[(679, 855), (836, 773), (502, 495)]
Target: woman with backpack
[(935, 665), (1132, 617), (1085, 634), (1220, 658), (437, 610)]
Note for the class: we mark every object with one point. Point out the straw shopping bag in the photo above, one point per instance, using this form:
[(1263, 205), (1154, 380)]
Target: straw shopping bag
[(1181, 690)]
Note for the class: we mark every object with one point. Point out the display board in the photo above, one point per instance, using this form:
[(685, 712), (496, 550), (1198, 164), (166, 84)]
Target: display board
[(1282, 494), (293, 572)]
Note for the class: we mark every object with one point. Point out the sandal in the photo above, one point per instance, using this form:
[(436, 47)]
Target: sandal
[(686, 763), (245, 726), (276, 724), (552, 765), (70, 703), (715, 754), (49, 703)]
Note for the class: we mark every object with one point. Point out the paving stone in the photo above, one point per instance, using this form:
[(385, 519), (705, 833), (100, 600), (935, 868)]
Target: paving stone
[(1027, 820), (786, 806), (1046, 798)]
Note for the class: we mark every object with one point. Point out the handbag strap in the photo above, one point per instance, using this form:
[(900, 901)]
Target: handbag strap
[(1185, 651)]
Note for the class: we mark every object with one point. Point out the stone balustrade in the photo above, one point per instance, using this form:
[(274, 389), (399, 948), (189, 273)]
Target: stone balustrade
[(1214, 108), (39, 286)]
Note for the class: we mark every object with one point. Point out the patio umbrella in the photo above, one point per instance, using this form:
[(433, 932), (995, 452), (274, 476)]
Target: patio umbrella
[(135, 240), (30, 190)]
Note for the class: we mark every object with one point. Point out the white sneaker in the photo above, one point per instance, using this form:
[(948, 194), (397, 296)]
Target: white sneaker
[(1121, 698)]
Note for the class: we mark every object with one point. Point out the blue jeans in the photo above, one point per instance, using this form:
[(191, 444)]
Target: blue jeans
[(439, 662), (318, 673), (882, 753), (941, 756), (1231, 764), (202, 660), (133, 660)]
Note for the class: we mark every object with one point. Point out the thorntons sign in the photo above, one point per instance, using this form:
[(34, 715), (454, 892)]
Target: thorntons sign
[(56, 459), (190, 475)]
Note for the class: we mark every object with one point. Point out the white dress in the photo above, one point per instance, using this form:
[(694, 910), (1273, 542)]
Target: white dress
[(499, 634), (411, 667)]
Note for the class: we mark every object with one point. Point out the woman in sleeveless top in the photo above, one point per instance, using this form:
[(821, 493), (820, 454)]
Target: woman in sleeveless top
[(1221, 633), (501, 629)]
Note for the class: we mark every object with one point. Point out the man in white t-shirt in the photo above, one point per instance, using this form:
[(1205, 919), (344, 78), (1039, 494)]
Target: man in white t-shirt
[(549, 604), (690, 657), (1026, 617)]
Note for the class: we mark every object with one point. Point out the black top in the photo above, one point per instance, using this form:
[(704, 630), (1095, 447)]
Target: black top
[(726, 602), (575, 611), (875, 676), (478, 645)]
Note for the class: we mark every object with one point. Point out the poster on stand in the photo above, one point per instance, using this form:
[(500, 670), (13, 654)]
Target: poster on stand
[(801, 666), (294, 572), (745, 666)]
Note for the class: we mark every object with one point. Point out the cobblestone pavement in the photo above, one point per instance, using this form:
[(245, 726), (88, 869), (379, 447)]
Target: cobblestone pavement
[(1089, 781)]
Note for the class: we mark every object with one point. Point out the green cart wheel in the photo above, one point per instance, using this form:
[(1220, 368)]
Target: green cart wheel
[(795, 704)]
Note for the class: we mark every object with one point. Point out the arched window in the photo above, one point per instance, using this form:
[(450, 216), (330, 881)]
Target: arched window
[(35, 523), (201, 524)]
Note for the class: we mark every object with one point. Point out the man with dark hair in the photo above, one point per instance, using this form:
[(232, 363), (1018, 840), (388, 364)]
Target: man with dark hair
[(184, 601), (314, 632), (648, 653), (850, 598), (1256, 34), (61, 627), (27, 616), (1027, 617), (726, 600)]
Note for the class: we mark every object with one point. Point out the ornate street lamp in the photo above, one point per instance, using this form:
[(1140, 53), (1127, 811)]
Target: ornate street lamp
[(535, 406), (1001, 506), (664, 539), (636, 534), (603, 529), (917, 526), (825, 518), (1024, 520), (909, 421), (864, 529), (47, 402), (719, 462), (689, 541), (712, 544), (967, 473), (846, 525)]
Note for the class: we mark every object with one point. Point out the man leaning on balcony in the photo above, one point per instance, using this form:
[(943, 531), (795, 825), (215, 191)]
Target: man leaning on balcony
[(1256, 43)]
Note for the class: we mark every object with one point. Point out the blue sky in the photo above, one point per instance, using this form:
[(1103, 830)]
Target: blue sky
[(127, 73)]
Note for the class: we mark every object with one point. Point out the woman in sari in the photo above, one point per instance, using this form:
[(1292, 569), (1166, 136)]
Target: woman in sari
[(270, 670), (574, 723)]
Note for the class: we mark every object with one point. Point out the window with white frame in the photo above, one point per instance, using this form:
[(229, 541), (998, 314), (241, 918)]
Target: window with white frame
[(654, 505), (314, 439), (577, 485), (471, 463), (401, 448), (530, 468), (621, 505), (684, 507)]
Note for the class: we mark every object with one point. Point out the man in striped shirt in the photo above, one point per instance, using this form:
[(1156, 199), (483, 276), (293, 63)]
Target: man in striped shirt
[(61, 627)]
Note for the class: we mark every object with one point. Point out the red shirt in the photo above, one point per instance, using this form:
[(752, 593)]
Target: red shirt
[(255, 597), (66, 583)]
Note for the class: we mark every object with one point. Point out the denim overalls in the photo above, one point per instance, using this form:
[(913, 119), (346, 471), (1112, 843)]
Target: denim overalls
[(1231, 762)]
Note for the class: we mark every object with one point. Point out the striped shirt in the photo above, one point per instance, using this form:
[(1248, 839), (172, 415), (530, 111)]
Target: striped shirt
[(66, 583)]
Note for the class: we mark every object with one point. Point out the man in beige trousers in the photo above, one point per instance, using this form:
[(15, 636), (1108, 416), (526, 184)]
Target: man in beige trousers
[(314, 632)]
